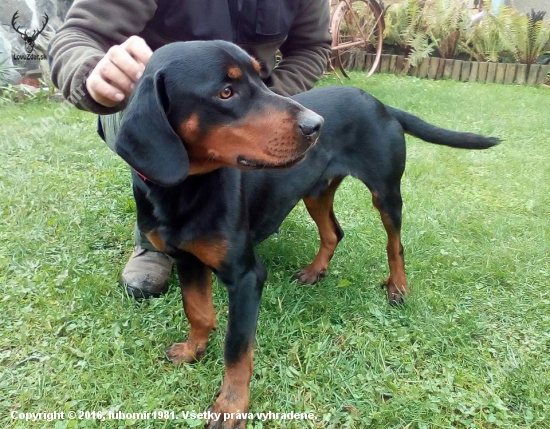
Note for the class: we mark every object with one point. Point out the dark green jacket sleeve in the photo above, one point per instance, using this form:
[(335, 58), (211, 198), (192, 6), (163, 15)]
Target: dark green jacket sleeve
[(305, 52), (90, 29)]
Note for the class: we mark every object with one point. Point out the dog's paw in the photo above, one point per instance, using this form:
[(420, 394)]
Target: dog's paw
[(395, 293), (228, 412), (309, 275), (184, 352)]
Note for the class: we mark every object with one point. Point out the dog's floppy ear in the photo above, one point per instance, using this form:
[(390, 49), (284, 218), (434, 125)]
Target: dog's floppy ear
[(146, 140)]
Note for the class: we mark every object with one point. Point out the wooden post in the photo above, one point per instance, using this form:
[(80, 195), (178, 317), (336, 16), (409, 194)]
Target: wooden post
[(521, 75), (501, 71), (432, 69), (510, 74), (482, 72), (423, 68), (412, 70), (474, 71), (465, 72), (533, 73), (399, 64), (491, 72), (385, 63), (346, 59), (377, 70), (457, 68), (393, 61), (440, 68), (448, 70), (360, 60), (369, 61), (406, 67)]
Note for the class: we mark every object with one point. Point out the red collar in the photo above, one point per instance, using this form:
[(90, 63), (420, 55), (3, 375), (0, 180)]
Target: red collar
[(145, 179)]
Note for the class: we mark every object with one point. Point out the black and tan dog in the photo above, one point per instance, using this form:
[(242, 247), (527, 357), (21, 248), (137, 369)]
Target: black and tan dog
[(219, 161)]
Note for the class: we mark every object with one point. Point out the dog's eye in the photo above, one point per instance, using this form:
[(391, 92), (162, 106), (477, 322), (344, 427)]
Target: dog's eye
[(226, 93)]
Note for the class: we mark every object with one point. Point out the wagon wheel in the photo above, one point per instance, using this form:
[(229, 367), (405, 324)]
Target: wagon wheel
[(355, 25)]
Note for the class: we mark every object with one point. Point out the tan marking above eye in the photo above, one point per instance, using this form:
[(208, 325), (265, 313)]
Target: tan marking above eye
[(234, 72)]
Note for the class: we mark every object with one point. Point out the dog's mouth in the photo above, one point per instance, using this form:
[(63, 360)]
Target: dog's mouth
[(257, 164)]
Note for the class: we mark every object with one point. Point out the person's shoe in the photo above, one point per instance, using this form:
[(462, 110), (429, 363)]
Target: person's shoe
[(146, 273)]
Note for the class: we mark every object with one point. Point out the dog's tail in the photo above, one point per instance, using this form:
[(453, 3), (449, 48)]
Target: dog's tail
[(417, 127)]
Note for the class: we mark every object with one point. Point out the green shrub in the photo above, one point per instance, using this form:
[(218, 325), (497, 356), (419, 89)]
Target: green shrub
[(511, 33), (406, 28), (420, 27), (528, 35), (446, 22), (487, 39)]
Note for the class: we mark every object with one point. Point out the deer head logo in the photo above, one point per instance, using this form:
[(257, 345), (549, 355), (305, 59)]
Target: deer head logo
[(29, 39)]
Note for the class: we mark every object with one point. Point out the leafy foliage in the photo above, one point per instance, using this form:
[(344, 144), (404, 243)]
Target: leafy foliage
[(528, 36), (6, 89), (446, 22), (405, 27), (484, 41), (487, 39), (419, 27), (524, 36)]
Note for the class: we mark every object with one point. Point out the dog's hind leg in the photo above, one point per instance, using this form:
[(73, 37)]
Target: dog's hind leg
[(389, 203), (196, 292), (322, 213)]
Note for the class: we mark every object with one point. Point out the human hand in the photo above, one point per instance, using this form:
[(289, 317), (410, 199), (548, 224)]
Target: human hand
[(113, 78)]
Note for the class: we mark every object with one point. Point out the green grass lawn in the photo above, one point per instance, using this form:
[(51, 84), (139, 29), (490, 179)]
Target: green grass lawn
[(471, 347)]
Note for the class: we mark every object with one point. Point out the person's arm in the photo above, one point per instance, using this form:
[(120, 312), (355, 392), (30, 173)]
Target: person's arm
[(92, 27), (306, 50)]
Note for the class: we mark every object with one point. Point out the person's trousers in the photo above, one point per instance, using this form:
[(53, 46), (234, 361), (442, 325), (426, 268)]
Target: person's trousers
[(108, 127)]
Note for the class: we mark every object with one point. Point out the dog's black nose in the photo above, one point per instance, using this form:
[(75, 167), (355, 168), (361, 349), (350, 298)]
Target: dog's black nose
[(311, 124)]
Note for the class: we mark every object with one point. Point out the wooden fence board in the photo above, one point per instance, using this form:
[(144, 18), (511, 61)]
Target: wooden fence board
[(482, 72), (440, 68), (385, 63), (457, 68), (347, 59), (501, 71), (432, 69), (491, 72), (360, 59), (510, 74), (448, 70), (474, 71), (393, 61), (465, 72), (521, 74), (400, 64), (533, 74), (423, 68)]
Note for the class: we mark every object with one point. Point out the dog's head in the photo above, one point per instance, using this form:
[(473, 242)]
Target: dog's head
[(202, 105)]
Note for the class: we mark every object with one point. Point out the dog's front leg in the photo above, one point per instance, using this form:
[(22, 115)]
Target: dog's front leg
[(244, 282), (196, 292)]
